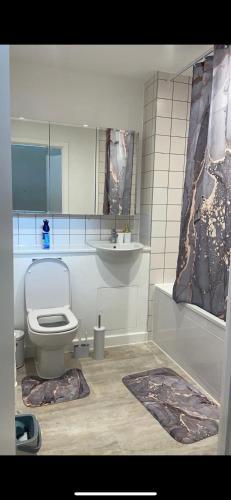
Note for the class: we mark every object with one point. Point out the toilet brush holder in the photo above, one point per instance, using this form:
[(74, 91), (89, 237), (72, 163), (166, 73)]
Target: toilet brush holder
[(99, 340)]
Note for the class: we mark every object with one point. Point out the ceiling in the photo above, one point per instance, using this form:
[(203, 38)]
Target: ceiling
[(134, 61)]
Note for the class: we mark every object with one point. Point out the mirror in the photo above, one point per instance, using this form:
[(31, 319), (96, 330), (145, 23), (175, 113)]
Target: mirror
[(30, 161), (116, 171), (73, 170)]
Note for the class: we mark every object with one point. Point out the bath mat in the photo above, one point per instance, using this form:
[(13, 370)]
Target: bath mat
[(37, 391), (183, 411)]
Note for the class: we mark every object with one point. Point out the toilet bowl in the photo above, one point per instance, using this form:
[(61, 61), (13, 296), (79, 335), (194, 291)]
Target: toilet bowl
[(51, 323)]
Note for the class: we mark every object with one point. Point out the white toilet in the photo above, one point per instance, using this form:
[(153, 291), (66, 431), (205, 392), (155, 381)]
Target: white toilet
[(50, 321)]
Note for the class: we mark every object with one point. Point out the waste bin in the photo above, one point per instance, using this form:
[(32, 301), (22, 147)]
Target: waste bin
[(19, 336), (28, 434)]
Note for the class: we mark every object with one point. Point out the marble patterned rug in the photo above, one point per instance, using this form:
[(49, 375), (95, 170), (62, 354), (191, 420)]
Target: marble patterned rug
[(37, 391), (182, 410)]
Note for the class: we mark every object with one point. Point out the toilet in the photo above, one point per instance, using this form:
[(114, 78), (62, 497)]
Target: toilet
[(51, 323)]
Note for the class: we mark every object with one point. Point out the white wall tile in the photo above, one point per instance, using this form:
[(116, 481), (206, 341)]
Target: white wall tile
[(148, 109), (77, 225), (147, 163), (181, 78), (164, 108), (148, 146), (160, 196), (160, 178), (165, 89), (157, 245), (177, 162), (158, 229), (157, 260), (146, 196), (179, 110), (175, 196), (121, 222), (27, 240), (92, 225), (161, 161), (61, 225), (107, 225), (147, 179), (175, 179), (163, 125), (172, 245), (105, 237), (61, 240), (159, 212), (92, 237), (177, 145), (149, 129), (180, 92), (15, 240), (169, 275), (162, 143), (170, 260), (172, 229), (15, 224), (26, 224), (156, 276), (174, 212), (178, 127), (102, 146), (77, 240), (148, 93)]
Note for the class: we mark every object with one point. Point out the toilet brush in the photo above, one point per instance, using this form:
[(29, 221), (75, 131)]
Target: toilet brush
[(99, 338)]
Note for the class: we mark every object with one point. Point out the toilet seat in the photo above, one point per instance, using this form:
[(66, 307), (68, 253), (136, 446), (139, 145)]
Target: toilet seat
[(35, 314)]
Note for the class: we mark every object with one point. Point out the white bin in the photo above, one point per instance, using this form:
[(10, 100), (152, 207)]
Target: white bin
[(19, 337)]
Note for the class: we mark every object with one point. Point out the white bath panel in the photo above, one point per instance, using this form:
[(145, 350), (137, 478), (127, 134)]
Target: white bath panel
[(118, 306)]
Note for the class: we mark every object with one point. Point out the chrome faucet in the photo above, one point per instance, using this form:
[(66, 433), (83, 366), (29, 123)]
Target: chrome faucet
[(114, 236)]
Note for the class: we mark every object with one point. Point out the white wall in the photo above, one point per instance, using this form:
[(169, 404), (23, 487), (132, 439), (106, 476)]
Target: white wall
[(46, 93), (7, 425)]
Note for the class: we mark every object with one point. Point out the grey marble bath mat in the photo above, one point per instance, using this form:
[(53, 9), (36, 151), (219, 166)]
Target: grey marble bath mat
[(37, 391), (183, 411)]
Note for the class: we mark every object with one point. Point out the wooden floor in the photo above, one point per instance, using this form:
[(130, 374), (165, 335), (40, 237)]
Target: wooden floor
[(110, 421)]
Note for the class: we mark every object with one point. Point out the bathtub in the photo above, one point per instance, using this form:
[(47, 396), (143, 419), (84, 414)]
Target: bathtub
[(192, 337)]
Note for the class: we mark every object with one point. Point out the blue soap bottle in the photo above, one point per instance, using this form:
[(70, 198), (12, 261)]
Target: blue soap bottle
[(46, 236)]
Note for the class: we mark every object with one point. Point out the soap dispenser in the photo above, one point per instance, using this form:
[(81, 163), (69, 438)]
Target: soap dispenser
[(45, 235)]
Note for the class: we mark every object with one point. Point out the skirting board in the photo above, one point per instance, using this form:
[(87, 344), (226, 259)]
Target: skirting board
[(111, 340)]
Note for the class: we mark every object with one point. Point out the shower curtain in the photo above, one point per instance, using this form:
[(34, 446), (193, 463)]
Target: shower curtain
[(118, 172), (202, 275)]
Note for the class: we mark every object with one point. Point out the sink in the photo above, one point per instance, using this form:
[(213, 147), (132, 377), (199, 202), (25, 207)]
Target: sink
[(107, 246)]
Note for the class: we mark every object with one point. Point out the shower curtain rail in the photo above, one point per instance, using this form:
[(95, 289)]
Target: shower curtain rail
[(191, 64)]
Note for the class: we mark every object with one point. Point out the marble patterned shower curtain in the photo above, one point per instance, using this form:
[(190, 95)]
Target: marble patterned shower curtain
[(118, 172), (205, 235)]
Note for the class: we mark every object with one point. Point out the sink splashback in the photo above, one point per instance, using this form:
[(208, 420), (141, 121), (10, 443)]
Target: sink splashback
[(69, 231)]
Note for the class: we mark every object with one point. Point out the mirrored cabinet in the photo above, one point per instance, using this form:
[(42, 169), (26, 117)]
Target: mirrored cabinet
[(73, 170)]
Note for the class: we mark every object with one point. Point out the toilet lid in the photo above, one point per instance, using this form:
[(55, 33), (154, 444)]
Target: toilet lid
[(47, 284)]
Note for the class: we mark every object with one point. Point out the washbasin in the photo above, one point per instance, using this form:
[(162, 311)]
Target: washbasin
[(107, 246)]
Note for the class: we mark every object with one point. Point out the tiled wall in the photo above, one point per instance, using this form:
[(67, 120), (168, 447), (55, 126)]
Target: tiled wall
[(165, 131), (68, 231)]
